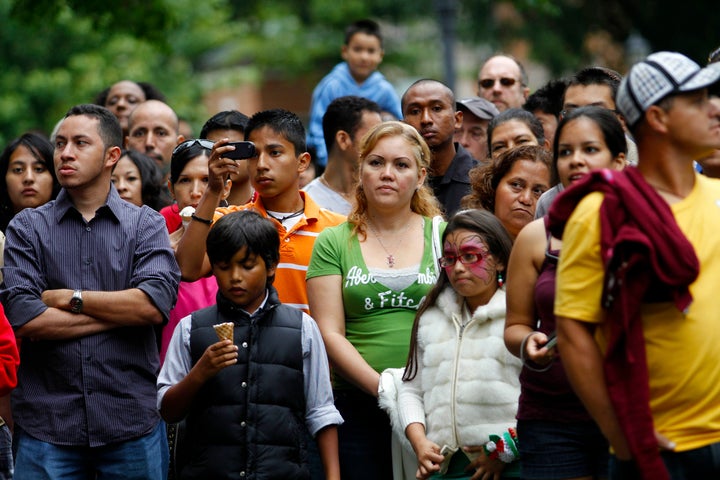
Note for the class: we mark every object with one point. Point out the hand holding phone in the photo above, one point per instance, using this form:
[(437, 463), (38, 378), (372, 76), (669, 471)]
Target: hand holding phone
[(243, 150), (552, 341)]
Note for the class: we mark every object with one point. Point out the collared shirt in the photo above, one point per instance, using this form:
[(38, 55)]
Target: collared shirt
[(296, 246), (98, 389), (455, 184), (320, 408)]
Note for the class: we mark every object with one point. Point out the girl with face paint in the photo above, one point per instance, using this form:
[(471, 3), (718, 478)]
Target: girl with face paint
[(460, 384)]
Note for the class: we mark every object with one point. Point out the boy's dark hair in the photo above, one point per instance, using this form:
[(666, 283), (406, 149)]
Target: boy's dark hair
[(245, 228), (108, 125), (548, 98), (366, 26), (596, 76), (283, 122), (226, 120), (345, 113)]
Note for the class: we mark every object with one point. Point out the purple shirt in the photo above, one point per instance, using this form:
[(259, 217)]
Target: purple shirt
[(98, 389)]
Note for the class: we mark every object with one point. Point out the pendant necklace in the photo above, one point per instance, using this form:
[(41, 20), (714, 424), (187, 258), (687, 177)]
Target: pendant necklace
[(390, 259), (287, 217)]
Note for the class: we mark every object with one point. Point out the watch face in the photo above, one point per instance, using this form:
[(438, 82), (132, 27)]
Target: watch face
[(76, 303)]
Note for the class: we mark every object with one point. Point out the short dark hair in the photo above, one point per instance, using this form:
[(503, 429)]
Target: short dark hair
[(40, 148), (345, 113), (282, 121), (423, 81), (366, 26), (151, 179), (548, 98), (245, 228), (596, 76), (108, 125), (516, 114), (225, 120)]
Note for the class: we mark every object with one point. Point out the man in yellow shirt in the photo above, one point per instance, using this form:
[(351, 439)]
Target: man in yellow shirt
[(665, 101)]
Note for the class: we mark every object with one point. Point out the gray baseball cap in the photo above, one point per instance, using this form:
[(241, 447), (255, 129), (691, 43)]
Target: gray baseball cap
[(659, 75), (479, 107)]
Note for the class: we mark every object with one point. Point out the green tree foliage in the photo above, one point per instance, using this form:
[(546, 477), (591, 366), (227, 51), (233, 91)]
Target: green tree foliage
[(56, 53)]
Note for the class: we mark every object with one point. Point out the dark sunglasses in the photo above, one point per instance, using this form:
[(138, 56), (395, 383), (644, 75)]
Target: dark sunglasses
[(490, 82), (206, 144)]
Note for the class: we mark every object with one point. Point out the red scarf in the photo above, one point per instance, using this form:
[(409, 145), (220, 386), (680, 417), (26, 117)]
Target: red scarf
[(647, 258)]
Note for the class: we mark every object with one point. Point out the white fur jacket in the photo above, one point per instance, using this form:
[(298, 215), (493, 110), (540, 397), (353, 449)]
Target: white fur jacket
[(467, 385)]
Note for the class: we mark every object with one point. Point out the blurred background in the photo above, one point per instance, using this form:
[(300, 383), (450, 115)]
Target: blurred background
[(254, 54)]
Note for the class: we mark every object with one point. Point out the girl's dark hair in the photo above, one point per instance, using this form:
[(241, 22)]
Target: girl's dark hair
[(40, 148), (499, 244), (151, 178), (520, 115), (245, 228), (484, 179), (605, 119), (179, 160)]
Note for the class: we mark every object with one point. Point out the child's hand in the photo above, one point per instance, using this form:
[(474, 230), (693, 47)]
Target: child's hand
[(429, 458), (485, 468), (216, 357)]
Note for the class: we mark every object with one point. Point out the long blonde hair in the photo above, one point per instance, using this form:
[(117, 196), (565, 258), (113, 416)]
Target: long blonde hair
[(423, 200)]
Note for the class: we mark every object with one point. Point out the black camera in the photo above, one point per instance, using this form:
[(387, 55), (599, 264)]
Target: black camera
[(243, 150)]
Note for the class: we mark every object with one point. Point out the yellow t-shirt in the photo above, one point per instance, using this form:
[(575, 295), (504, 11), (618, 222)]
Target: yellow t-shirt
[(683, 351)]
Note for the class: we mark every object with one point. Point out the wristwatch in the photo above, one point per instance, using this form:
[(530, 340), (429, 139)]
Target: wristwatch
[(76, 302)]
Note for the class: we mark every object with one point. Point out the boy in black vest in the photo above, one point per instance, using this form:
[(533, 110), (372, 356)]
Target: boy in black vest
[(247, 400)]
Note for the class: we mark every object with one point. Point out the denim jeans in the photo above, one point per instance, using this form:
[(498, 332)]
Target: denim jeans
[(701, 463), (141, 458), (6, 454)]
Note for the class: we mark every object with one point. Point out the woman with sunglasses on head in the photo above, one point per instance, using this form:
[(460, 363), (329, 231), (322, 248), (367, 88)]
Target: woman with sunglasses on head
[(458, 401), (558, 439), (188, 180)]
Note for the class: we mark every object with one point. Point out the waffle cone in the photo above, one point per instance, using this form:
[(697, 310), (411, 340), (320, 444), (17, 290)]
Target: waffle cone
[(224, 331)]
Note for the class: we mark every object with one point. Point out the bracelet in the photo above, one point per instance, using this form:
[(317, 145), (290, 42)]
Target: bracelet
[(201, 220), (526, 362), (503, 448)]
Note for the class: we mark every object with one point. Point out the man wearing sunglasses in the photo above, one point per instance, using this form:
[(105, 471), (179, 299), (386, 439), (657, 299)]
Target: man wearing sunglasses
[(502, 80)]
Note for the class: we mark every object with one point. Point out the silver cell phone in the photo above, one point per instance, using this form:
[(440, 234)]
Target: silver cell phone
[(552, 341)]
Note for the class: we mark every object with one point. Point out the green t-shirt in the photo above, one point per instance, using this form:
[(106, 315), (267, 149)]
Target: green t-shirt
[(378, 320)]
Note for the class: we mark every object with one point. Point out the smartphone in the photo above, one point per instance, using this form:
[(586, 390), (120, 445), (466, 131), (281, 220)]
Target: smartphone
[(243, 150), (552, 341)]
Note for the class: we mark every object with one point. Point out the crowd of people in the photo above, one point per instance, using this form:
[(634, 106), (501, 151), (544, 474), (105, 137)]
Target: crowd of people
[(510, 285)]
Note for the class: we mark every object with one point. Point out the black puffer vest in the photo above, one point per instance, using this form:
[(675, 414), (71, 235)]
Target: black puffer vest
[(249, 420)]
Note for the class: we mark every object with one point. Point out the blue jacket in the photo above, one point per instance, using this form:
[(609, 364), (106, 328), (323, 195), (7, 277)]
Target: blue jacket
[(339, 83)]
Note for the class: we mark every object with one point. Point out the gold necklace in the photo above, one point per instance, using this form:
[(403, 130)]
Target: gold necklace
[(390, 259)]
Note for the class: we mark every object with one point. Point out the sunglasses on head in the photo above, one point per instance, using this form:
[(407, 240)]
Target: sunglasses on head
[(490, 82), (206, 144)]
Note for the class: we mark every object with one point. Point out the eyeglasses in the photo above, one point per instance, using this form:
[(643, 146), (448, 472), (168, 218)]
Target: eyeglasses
[(448, 261), (490, 82), (206, 144)]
